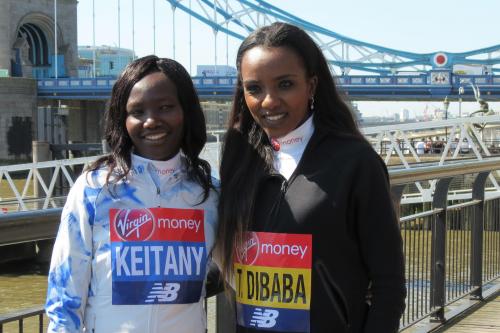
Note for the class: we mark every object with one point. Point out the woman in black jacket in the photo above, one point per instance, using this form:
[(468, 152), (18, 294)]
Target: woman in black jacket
[(307, 229)]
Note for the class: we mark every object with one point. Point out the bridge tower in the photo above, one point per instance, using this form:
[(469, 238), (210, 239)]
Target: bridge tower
[(27, 51), (27, 45)]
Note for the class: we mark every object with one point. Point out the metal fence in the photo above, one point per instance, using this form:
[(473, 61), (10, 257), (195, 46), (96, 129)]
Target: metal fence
[(452, 248)]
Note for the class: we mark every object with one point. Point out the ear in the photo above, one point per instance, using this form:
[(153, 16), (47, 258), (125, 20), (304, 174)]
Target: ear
[(313, 83)]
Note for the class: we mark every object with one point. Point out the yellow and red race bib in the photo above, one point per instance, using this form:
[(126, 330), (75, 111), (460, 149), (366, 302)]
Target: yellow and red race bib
[(273, 281)]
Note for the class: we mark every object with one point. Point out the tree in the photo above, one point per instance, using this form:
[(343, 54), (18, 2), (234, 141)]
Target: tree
[(19, 137)]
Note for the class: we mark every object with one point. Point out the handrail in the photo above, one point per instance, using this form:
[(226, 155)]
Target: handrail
[(21, 315), (404, 176)]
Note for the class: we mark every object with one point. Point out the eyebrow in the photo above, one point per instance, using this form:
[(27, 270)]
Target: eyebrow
[(281, 77)]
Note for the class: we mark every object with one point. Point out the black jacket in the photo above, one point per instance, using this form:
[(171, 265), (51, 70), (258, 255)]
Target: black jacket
[(339, 194)]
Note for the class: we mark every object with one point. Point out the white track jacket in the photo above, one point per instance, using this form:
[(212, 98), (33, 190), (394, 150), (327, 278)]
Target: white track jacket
[(132, 257)]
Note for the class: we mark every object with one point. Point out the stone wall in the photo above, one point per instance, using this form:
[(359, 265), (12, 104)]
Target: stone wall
[(18, 103)]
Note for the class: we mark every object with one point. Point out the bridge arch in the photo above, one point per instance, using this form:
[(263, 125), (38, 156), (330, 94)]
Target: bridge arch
[(33, 45)]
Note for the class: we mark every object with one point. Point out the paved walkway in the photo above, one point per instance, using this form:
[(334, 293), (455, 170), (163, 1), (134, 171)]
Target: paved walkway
[(486, 319)]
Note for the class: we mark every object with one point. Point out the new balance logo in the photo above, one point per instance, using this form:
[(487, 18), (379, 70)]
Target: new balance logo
[(163, 293), (264, 319)]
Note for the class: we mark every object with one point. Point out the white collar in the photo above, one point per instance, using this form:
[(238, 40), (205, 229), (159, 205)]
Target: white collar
[(162, 168), (298, 138)]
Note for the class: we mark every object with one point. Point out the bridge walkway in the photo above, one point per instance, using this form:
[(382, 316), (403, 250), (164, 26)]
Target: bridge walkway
[(486, 319)]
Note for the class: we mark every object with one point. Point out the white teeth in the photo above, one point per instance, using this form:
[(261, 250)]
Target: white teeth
[(276, 117), (155, 136)]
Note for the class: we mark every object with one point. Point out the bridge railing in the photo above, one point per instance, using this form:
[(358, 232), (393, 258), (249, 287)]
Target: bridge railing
[(452, 247), (43, 185), (22, 317)]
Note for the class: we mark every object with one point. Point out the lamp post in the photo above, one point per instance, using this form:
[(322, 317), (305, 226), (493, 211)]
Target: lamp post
[(446, 105), (55, 41), (460, 93)]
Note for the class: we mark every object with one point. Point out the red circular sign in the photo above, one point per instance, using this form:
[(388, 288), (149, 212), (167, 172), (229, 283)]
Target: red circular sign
[(248, 252), (440, 59), (134, 225)]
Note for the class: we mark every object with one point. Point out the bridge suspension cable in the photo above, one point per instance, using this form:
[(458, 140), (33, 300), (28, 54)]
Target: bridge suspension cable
[(236, 18)]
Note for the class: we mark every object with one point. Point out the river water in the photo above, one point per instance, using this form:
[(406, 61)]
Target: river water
[(23, 284)]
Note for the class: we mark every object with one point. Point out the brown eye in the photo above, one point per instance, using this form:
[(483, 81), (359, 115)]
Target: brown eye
[(135, 112), (285, 84), (252, 89), (167, 107)]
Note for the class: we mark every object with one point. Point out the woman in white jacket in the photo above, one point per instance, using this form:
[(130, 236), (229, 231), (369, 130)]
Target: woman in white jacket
[(137, 229)]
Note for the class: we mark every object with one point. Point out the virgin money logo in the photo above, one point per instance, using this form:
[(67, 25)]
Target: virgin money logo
[(248, 252), (134, 225)]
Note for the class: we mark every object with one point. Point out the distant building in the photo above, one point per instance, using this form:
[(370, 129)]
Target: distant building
[(215, 70), (404, 115), (357, 114), (109, 60), (216, 114)]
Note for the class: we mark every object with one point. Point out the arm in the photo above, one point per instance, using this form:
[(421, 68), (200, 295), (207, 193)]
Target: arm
[(380, 244), (69, 274)]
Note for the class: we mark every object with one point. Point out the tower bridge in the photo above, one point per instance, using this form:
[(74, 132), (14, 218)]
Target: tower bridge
[(358, 87)]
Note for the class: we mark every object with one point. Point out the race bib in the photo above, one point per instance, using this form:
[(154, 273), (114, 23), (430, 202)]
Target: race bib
[(158, 255), (273, 281)]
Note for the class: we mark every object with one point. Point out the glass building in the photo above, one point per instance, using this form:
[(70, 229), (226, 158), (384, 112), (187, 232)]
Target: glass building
[(109, 60)]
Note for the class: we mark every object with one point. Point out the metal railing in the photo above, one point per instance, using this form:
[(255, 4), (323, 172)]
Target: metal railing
[(36, 313), (452, 249)]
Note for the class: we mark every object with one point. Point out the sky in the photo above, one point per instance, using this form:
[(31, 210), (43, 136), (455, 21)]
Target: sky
[(418, 26)]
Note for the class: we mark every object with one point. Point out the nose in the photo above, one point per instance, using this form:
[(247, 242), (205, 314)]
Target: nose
[(151, 120), (270, 101)]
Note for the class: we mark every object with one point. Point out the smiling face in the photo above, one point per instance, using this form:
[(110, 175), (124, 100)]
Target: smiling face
[(276, 88), (155, 117)]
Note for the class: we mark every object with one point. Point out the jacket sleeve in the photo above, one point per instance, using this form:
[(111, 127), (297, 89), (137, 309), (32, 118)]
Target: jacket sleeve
[(69, 274), (380, 244)]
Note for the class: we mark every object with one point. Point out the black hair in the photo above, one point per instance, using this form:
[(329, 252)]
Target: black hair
[(247, 155), (194, 138)]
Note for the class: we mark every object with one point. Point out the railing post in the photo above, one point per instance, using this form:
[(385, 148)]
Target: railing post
[(438, 251), (41, 153), (396, 193), (477, 236), (226, 309)]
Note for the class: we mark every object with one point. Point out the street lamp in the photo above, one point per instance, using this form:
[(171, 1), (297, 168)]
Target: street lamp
[(460, 93), (446, 105)]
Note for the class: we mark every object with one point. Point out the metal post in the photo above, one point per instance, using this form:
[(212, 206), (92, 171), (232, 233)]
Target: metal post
[(119, 39), (460, 93), (225, 321), (438, 255), (190, 42), (133, 27), (154, 26), (227, 37), (446, 105), (396, 193), (56, 72), (215, 40), (41, 153), (93, 39), (173, 32), (477, 235)]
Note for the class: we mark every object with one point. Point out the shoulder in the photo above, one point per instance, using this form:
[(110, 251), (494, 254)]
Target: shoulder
[(349, 150), (215, 183), (88, 185)]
